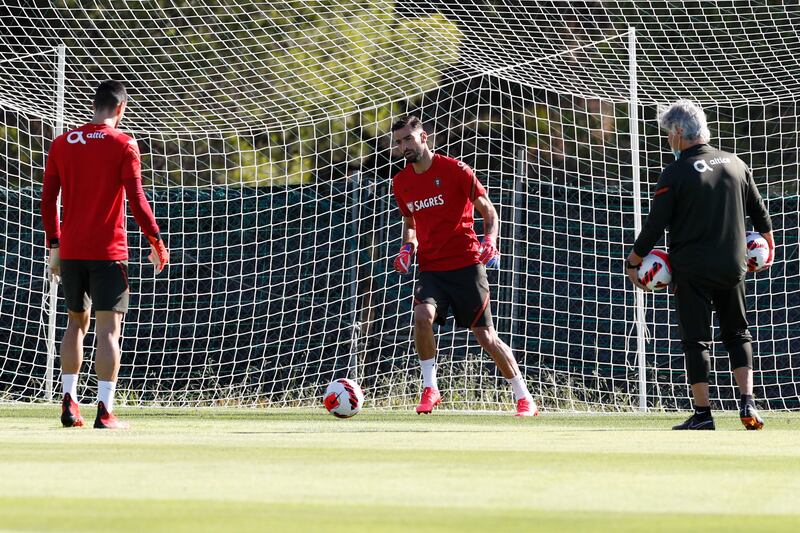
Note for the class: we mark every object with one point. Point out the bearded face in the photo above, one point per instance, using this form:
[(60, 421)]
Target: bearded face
[(412, 155), (410, 143)]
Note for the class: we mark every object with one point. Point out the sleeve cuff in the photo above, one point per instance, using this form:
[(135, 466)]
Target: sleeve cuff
[(765, 228)]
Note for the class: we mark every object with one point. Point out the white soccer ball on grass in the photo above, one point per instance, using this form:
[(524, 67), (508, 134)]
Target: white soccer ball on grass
[(343, 398)]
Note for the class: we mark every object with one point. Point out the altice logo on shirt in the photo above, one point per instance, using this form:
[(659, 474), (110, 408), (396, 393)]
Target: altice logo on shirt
[(426, 203), (702, 166), (77, 136)]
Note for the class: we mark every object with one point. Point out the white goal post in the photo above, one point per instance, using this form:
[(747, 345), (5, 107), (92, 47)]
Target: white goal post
[(264, 132)]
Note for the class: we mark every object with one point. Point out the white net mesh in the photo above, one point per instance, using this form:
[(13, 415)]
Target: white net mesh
[(264, 134)]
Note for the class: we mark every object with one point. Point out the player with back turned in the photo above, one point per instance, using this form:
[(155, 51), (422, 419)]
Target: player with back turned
[(94, 167), (436, 195), (703, 198)]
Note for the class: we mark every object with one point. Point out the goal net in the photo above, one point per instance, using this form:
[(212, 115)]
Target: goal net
[(264, 132)]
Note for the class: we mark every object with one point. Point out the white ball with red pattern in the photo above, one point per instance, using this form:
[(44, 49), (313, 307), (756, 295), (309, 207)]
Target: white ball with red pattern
[(343, 398), (655, 272), (757, 251)]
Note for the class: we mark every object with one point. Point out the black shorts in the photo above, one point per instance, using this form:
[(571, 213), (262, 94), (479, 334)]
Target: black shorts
[(99, 284), (465, 290), (694, 302)]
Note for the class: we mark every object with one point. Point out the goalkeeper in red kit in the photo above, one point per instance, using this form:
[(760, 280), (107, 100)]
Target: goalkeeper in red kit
[(436, 195), (95, 167)]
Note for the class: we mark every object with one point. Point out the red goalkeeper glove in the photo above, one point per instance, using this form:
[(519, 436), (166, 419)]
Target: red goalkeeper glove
[(771, 257), (489, 254), (402, 263), (159, 254)]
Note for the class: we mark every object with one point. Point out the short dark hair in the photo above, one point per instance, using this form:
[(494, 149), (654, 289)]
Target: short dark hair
[(109, 95), (409, 120)]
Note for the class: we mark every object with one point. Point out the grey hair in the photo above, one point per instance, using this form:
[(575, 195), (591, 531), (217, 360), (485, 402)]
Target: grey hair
[(687, 115)]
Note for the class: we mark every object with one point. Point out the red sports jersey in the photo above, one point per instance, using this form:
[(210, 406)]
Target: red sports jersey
[(94, 166), (440, 200)]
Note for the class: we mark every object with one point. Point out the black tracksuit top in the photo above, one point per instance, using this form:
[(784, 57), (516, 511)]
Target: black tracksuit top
[(703, 198)]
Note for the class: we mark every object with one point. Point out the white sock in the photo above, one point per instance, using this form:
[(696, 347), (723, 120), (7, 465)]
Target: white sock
[(69, 385), (105, 393), (429, 373), (519, 387)]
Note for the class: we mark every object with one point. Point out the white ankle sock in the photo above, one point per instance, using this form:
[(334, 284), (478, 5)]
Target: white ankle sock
[(519, 387), (105, 393), (428, 373), (69, 385)]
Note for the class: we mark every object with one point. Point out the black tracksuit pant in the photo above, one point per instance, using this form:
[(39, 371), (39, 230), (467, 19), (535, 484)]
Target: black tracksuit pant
[(694, 302)]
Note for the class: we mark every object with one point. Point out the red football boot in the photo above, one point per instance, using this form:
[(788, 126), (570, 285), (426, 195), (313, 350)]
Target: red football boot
[(106, 420), (70, 414), (526, 407), (430, 399)]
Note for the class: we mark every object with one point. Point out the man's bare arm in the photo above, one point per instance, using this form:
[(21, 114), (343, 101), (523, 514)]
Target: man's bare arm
[(489, 216)]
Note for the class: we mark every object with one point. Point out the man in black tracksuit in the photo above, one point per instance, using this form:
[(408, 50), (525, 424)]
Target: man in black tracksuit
[(703, 198)]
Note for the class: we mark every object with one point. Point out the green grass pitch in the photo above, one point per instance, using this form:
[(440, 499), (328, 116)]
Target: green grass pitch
[(303, 470)]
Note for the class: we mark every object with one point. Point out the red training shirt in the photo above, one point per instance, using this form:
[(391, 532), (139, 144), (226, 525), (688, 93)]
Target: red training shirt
[(440, 201), (94, 166)]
